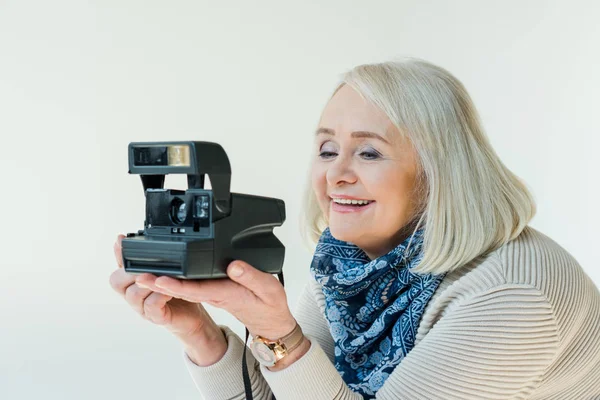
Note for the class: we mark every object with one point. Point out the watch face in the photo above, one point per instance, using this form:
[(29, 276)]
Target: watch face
[(263, 354)]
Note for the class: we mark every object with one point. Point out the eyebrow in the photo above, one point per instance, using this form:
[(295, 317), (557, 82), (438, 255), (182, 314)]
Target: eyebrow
[(356, 134)]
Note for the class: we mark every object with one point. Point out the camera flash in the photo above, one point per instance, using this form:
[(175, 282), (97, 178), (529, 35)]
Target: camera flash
[(178, 156)]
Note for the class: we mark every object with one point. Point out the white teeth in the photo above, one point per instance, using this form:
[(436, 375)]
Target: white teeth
[(348, 201)]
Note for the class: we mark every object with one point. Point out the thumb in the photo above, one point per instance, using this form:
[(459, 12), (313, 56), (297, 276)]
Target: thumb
[(118, 250), (262, 284)]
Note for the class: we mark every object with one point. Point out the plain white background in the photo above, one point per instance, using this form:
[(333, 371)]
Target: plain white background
[(80, 80)]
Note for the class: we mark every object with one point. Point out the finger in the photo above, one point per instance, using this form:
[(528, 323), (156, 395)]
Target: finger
[(147, 280), (155, 308), (117, 248), (221, 293), (264, 285), (120, 279), (136, 296)]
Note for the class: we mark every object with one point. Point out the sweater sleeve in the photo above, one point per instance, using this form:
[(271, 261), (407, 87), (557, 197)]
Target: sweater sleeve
[(223, 379), (495, 344)]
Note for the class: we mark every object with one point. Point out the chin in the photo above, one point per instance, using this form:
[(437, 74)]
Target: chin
[(343, 234)]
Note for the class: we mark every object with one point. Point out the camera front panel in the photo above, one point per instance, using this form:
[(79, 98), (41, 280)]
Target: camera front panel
[(179, 213)]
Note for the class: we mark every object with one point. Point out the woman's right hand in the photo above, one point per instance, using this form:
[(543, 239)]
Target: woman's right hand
[(204, 341)]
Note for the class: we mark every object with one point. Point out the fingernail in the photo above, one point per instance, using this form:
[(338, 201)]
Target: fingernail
[(236, 270), (142, 285)]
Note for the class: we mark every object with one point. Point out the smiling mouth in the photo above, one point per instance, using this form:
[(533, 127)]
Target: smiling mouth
[(351, 203)]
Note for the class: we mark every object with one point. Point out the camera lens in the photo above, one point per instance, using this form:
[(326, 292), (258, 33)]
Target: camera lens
[(178, 211)]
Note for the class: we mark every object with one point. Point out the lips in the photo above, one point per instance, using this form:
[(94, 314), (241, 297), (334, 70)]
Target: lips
[(335, 196)]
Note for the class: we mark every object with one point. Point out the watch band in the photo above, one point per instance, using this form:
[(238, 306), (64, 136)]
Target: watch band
[(268, 352), (293, 339)]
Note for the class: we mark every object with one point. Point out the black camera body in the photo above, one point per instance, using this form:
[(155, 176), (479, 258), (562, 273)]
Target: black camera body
[(196, 233)]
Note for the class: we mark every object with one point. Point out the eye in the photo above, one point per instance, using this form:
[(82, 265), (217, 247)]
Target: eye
[(326, 154), (369, 155)]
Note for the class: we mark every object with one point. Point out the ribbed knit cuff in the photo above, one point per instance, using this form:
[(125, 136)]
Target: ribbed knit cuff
[(223, 379), (313, 376)]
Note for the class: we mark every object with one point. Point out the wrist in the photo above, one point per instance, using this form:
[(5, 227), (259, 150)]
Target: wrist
[(292, 356), (207, 348)]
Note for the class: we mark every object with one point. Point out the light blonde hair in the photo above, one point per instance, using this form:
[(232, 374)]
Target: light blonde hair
[(471, 203)]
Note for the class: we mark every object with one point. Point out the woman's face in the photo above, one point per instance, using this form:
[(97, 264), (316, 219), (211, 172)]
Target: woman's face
[(359, 155)]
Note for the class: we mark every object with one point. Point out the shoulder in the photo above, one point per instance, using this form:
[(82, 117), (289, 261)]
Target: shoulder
[(532, 262), (537, 260)]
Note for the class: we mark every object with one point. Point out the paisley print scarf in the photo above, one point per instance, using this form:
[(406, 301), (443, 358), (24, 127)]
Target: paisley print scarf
[(373, 307)]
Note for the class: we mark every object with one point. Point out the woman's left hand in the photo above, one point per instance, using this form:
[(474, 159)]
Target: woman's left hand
[(257, 299)]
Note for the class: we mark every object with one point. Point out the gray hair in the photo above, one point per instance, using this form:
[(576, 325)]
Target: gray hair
[(471, 203)]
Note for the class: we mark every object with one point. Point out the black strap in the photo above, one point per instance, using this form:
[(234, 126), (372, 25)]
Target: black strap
[(247, 384)]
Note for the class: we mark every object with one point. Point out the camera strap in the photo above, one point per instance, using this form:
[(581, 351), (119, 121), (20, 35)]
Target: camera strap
[(247, 383)]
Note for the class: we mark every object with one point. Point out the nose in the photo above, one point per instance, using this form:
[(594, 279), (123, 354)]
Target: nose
[(340, 171)]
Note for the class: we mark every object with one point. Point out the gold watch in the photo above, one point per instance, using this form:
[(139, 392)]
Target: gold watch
[(268, 352)]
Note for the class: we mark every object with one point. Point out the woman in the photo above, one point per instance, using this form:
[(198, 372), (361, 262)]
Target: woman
[(427, 282)]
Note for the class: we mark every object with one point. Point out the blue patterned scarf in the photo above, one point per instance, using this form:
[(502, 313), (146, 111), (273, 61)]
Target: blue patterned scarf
[(373, 307)]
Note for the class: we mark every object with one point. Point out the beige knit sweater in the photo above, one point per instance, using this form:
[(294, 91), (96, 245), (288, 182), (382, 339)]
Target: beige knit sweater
[(522, 322)]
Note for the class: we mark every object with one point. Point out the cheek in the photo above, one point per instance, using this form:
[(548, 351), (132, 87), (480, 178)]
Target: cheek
[(319, 184), (394, 191), (318, 174), (314, 177)]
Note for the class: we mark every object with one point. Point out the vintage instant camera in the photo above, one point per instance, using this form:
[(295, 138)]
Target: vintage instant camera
[(196, 233)]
